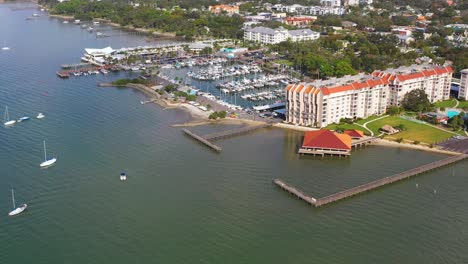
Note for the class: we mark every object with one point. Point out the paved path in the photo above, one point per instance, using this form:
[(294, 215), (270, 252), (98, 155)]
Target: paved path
[(365, 124), (458, 102)]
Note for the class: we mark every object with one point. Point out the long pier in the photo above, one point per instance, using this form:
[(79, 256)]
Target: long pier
[(234, 132), (202, 140), (371, 185)]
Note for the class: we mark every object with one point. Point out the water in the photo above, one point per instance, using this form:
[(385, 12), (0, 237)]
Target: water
[(183, 203)]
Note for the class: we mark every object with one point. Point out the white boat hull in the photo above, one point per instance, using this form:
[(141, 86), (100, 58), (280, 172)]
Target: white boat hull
[(40, 116), (48, 163), (10, 123), (18, 210)]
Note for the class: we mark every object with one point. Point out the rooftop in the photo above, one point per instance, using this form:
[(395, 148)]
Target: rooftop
[(326, 139)]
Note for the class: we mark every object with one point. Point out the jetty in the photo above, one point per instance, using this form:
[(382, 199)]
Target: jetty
[(76, 65), (368, 186), (235, 132), (223, 134), (202, 140)]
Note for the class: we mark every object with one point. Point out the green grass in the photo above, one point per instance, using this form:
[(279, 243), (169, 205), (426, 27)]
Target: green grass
[(370, 118), (463, 104), (446, 103), (414, 131), (345, 126)]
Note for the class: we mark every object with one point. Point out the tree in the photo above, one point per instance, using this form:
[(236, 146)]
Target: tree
[(416, 101), (343, 68), (394, 110)]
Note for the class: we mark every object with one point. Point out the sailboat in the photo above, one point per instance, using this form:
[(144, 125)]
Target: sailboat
[(5, 46), (20, 209), (47, 162), (6, 118)]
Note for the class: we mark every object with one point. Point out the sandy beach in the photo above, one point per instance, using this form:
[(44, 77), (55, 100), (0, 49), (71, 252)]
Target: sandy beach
[(388, 143)]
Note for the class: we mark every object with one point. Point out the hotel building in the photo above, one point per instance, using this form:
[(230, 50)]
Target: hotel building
[(274, 36), (463, 92), (324, 102)]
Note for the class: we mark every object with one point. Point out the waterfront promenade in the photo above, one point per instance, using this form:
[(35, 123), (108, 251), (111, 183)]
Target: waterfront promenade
[(368, 186)]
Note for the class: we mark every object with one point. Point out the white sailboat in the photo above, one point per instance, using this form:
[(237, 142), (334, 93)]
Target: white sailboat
[(5, 47), (6, 118), (47, 162), (20, 209)]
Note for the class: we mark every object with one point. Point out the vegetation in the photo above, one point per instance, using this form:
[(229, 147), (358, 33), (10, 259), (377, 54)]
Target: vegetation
[(216, 115), (394, 110), (188, 97), (416, 101), (446, 104), (413, 131), (125, 81), (170, 88), (457, 121), (187, 23)]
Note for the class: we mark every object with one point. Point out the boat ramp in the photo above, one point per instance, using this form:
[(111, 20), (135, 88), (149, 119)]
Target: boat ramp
[(368, 186)]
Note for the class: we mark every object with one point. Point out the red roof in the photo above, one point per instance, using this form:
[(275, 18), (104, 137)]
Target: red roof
[(326, 139), (354, 133)]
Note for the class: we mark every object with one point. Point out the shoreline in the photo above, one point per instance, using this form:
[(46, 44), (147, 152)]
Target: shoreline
[(388, 143)]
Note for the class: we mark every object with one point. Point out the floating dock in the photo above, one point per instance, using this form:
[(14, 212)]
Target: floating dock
[(368, 186), (202, 140)]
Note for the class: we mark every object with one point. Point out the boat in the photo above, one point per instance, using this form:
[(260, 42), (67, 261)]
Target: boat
[(47, 162), (20, 209), (123, 176), (36, 15), (65, 22), (5, 47), (40, 116), (6, 118), (24, 118)]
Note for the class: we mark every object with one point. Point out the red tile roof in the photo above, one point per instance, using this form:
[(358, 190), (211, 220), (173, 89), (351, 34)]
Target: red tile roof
[(354, 133), (326, 139)]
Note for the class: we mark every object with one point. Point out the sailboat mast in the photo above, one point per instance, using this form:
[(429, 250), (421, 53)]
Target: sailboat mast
[(13, 198), (45, 152)]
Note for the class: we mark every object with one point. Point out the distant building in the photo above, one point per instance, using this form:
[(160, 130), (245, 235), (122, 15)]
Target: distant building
[(230, 9), (326, 142), (330, 3), (323, 102), (463, 92), (299, 21), (310, 10), (274, 36)]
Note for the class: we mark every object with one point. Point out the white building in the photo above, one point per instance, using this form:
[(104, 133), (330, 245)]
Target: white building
[(330, 3), (463, 92), (324, 102), (310, 10), (274, 36)]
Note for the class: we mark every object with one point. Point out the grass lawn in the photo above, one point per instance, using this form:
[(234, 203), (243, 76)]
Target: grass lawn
[(446, 104), (463, 104), (346, 126), (414, 131), (370, 118)]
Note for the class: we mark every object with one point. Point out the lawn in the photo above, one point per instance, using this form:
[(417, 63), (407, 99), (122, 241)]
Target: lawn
[(346, 126), (446, 103), (463, 104), (414, 131), (361, 122)]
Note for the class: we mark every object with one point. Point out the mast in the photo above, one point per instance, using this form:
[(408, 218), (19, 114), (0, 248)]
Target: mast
[(45, 152), (13, 198)]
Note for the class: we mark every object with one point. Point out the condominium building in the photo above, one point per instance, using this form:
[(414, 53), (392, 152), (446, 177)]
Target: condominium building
[(323, 102), (463, 92), (274, 36), (310, 10)]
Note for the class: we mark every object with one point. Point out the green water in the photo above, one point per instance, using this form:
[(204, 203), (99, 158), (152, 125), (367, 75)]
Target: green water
[(183, 203)]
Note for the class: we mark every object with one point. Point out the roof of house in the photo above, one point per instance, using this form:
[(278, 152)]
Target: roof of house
[(326, 139), (354, 133)]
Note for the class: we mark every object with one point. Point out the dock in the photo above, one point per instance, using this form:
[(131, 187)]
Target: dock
[(371, 185), (76, 65), (66, 73), (63, 75), (234, 132), (148, 101), (202, 140)]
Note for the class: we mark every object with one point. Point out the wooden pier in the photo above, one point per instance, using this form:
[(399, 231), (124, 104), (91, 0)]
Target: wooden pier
[(66, 73), (202, 140), (234, 132), (371, 185), (76, 65), (363, 141)]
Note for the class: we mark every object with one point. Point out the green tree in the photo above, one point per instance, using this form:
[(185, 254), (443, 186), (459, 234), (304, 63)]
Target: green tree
[(416, 101)]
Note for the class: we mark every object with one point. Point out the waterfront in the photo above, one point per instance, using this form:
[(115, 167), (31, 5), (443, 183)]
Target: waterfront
[(183, 203)]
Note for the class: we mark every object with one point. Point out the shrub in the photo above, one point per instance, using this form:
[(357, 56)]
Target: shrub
[(399, 140), (416, 142)]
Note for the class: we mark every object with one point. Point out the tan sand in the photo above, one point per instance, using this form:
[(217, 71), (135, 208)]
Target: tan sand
[(387, 143)]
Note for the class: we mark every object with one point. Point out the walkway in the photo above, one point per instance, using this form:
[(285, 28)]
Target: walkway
[(368, 122)]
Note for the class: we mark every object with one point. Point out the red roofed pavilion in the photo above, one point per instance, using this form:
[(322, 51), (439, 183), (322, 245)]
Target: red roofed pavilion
[(354, 133), (326, 142)]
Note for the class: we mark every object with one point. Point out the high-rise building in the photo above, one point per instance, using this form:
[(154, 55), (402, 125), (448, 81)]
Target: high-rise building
[(463, 92)]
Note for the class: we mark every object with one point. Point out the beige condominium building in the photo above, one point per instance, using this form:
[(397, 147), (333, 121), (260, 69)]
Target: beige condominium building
[(463, 92), (324, 102)]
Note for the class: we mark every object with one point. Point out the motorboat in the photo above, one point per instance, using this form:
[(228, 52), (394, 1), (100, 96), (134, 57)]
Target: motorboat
[(123, 176), (40, 116), (24, 118)]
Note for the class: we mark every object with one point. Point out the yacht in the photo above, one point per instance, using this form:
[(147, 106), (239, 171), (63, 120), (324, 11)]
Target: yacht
[(40, 116), (6, 118), (24, 118), (123, 176)]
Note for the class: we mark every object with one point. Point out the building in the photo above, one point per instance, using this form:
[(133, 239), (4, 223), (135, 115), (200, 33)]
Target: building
[(310, 10), (463, 92), (330, 3), (323, 102), (324, 141), (354, 133), (230, 9), (434, 80), (299, 21), (274, 36)]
